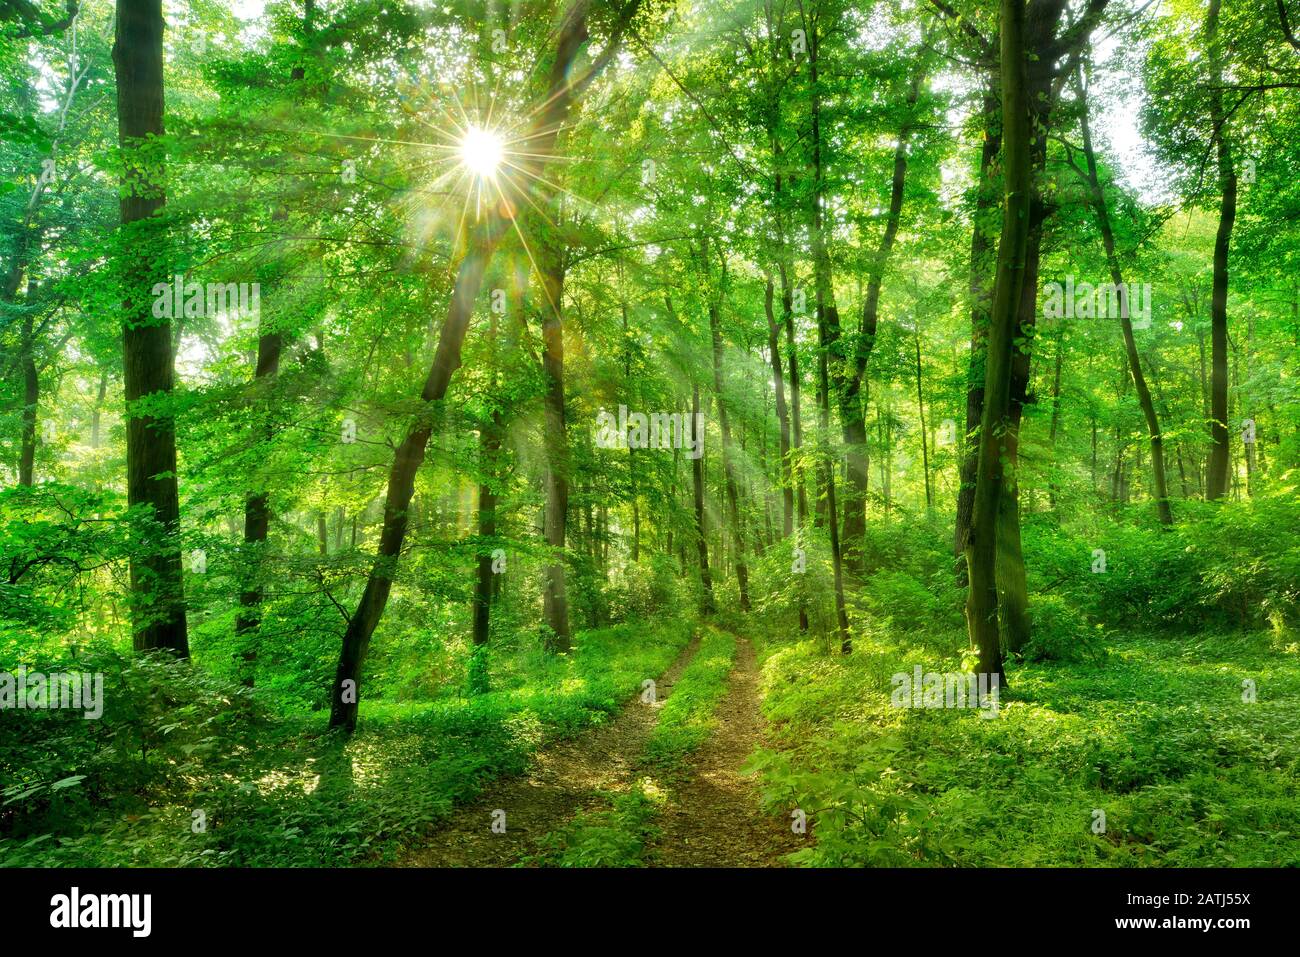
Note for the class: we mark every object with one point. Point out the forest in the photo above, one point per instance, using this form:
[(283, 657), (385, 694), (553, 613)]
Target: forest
[(649, 433)]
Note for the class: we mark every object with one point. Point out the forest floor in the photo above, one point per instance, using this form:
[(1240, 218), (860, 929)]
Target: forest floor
[(565, 778), (713, 819), (705, 812)]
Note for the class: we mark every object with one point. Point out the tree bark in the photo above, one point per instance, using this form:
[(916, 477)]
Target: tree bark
[(853, 416), (981, 545), (1125, 322), (707, 604), (551, 116), (782, 415), (1217, 479), (158, 601), (31, 398), (981, 250), (346, 691), (728, 465)]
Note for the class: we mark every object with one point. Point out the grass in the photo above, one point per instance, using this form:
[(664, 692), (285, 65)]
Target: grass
[(1157, 738), (279, 791), (620, 834)]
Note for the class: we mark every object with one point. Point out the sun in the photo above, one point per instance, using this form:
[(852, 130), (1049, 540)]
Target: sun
[(481, 152)]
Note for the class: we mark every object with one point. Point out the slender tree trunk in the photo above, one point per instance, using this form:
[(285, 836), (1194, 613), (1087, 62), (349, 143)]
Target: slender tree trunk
[(707, 604), (490, 433), (555, 597), (257, 521), (841, 611), (401, 478), (1217, 480), (257, 503), (157, 590), (1056, 412), (920, 406), (796, 387), (1125, 322), (782, 415), (628, 387), (96, 414), (31, 398), (853, 415), (728, 465)]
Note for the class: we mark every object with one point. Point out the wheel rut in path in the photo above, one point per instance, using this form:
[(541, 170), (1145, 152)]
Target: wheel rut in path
[(565, 778), (714, 818)]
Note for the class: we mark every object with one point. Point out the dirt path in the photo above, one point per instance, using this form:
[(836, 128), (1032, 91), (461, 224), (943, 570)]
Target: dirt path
[(564, 779), (714, 818)]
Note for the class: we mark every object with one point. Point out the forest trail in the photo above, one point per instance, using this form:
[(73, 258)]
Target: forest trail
[(713, 818), (564, 779)]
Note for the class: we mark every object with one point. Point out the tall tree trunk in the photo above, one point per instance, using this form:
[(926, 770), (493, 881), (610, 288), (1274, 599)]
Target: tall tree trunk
[(31, 398), (728, 463), (853, 415), (832, 524), (551, 116), (1217, 480), (555, 596), (257, 503), (828, 330), (489, 451), (707, 604), (1056, 412), (782, 415), (490, 433), (628, 387), (920, 406), (981, 545), (796, 387), (981, 265), (257, 520), (98, 410), (1125, 321), (401, 478), (157, 590), (1043, 81)]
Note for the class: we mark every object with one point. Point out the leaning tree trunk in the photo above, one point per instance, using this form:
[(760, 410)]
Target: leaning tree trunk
[(551, 116), (1125, 321), (401, 479), (157, 591), (853, 417)]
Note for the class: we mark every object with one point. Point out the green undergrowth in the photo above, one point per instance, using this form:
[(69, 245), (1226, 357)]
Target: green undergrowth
[(184, 770), (620, 833), (1152, 732)]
